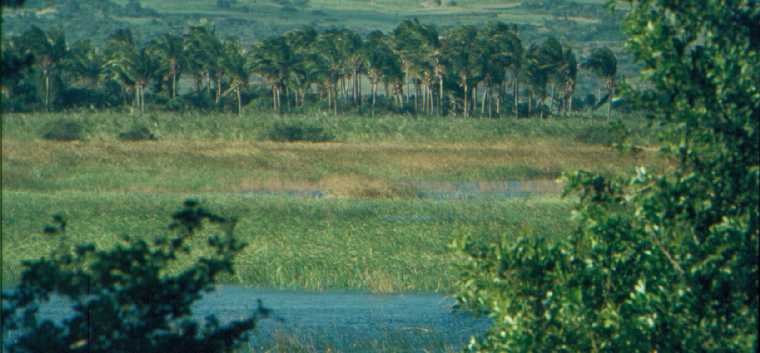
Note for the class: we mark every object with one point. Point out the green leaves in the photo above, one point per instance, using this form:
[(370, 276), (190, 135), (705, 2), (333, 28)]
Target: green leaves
[(123, 300), (659, 262)]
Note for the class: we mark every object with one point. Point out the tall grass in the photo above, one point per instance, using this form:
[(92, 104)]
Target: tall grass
[(347, 128), (317, 244)]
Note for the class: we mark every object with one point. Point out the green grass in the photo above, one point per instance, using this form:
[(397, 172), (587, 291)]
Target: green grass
[(316, 244), (371, 232), (370, 157)]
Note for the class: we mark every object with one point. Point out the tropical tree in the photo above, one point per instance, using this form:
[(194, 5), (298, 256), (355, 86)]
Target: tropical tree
[(603, 64), (382, 62), (462, 49), (202, 49), (331, 58), (416, 44), (132, 66), (551, 58), (306, 65), (170, 50), (273, 59), (567, 74), (504, 57), (84, 64), (536, 75), (236, 68), (48, 50)]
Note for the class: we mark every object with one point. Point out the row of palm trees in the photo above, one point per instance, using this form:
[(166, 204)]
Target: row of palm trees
[(417, 66)]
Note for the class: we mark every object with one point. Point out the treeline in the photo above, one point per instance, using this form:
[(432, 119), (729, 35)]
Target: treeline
[(417, 68)]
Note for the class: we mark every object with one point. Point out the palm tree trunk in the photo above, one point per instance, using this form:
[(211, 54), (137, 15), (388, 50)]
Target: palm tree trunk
[(609, 101), (174, 84), (440, 95), (475, 99), (374, 96), (239, 101), (483, 101), (515, 94), (218, 89), (47, 90), (466, 98)]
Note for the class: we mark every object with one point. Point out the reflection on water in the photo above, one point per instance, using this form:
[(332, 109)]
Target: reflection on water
[(338, 321)]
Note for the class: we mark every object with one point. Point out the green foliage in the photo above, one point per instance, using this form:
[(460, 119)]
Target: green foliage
[(288, 132), (63, 130), (123, 299), (138, 133), (664, 262)]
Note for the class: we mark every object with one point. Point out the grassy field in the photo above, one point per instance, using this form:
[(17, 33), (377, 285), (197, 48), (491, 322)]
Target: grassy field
[(370, 157), (370, 231), (373, 245)]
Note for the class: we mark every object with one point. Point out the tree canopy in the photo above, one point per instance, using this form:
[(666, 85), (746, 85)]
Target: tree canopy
[(659, 262)]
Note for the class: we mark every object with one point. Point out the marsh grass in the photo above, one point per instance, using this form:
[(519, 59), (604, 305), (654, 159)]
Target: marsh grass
[(318, 244), (371, 158)]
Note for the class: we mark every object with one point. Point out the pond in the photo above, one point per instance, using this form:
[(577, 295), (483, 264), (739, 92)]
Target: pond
[(337, 321)]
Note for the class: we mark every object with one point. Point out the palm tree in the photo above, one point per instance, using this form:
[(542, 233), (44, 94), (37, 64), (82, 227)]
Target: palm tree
[(133, 67), (84, 64), (463, 52), (536, 74), (550, 58), (272, 59), (49, 50), (382, 62), (236, 68), (305, 68), (414, 43), (202, 49), (603, 64), (169, 48), (332, 59), (567, 74)]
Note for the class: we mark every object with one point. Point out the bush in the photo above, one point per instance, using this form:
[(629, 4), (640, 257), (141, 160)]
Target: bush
[(138, 133), (286, 132), (63, 130), (132, 297)]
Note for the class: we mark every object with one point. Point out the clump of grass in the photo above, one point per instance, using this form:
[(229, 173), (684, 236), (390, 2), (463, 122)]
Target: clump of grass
[(138, 133), (281, 132), (63, 130)]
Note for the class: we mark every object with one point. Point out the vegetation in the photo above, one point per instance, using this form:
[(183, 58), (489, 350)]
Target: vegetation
[(417, 68), (122, 297), (659, 262), (375, 245), (63, 130), (380, 157)]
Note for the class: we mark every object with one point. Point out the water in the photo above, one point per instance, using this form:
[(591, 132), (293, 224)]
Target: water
[(486, 189), (338, 321), (446, 190)]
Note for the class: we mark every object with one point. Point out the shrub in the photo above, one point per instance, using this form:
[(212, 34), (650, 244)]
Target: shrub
[(658, 262), (289, 132), (138, 133), (129, 298), (63, 130)]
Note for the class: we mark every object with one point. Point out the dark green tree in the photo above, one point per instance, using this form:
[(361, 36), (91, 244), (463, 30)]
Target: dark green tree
[(134, 297), (603, 64), (659, 262)]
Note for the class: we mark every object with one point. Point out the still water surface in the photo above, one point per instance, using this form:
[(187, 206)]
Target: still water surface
[(338, 321)]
